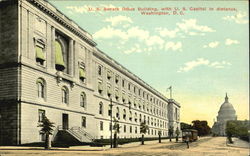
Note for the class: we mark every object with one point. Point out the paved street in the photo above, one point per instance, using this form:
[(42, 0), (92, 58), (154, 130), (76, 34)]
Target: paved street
[(204, 147)]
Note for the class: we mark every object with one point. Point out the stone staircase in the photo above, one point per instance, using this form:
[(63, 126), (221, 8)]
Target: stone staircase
[(72, 136)]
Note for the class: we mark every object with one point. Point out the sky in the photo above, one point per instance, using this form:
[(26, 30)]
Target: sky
[(200, 48)]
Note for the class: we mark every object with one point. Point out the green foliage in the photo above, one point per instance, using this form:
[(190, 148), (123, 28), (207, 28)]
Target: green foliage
[(185, 126), (237, 128), (143, 127), (202, 127), (116, 126), (171, 131), (46, 126)]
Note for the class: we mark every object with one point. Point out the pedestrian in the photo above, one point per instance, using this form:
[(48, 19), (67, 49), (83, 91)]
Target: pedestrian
[(187, 141)]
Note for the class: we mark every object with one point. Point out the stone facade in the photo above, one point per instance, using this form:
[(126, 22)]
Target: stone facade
[(50, 66)]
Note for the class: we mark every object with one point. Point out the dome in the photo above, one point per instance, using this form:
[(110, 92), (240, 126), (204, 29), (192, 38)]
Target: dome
[(226, 112)]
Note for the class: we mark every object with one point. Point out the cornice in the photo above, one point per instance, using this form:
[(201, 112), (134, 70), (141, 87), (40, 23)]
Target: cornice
[(46, 7), (105, 58)]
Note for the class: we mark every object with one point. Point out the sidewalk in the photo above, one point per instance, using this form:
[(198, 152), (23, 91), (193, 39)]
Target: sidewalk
[(239, 143), (86, 148)]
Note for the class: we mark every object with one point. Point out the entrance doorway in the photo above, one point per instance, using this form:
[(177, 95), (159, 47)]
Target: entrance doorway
[(65, 121)]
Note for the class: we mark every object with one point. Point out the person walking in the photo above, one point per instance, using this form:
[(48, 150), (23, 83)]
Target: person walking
[(187, 141)]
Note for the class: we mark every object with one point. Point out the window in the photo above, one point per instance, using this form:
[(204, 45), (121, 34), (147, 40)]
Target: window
[(65, 95), (83, 100), (61, 53), (116, 95), (100, 87), (130, 115), (84, 121), (117, 113), (40, 88), (109, 75), (124, 128), (109, 112), (135, 117), (123, 83), (130, 129), (124, 114), (40, 51), (82, 73), (135, 129), (100, 70), (41, 114), (101, 108), (109, 92), (101, 125), (140, 118), (116, 79), (129, 86)]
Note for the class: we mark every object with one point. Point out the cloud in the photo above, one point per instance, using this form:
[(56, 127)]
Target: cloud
[(155, 40), (116, 20), (239, 18), (212, 44), (230, 41), (109, 32), (136, 32), (164, 32), (174, 46), (202, 62), (191, 25)]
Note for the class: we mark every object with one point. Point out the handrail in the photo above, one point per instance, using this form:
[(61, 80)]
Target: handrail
[(82, 132)]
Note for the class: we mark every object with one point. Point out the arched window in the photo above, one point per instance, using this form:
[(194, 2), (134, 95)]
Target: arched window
[(130, 115), (83, 100), (40, 88), (101, 108), (135, 117), (117, 113), (124, 114), (65, 95)]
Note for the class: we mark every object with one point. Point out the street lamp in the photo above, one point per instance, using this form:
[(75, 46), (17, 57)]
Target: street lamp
[(111, 120)]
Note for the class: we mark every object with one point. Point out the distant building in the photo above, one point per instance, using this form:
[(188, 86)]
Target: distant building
[(50, 66), (226, 113)]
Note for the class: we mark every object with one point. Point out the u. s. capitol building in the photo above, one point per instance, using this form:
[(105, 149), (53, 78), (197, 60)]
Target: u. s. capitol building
[(50, 66)]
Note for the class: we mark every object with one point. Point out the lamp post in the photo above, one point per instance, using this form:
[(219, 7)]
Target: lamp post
[(111, 110)]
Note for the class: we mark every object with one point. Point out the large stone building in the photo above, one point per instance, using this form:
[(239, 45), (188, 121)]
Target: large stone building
[(50, 66), (226, 113)]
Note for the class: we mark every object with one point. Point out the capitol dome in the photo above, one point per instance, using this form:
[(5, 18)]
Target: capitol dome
[(226, 112)]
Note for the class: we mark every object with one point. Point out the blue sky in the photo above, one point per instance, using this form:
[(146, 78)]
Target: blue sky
[(201, 54)]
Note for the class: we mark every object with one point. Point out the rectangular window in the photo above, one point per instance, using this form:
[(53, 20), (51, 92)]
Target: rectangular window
[(101, 125), (84, 121), (41, 114), (123, 83), (130, 129), (124, 128)]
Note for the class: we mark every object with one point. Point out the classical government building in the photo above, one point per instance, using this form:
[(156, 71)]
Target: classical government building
[(50, 66), (226, 113)]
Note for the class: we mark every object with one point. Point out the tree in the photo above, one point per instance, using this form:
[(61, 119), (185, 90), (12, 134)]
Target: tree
[(170, 132), (47, 129), (185, 126), (143, 130), (202, 127), (116, 129), (237, 128), (177, 132)]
